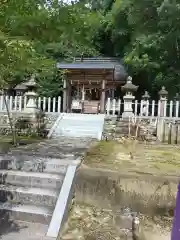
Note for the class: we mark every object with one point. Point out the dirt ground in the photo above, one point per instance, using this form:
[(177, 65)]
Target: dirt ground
[(116, 174), (91, 223)]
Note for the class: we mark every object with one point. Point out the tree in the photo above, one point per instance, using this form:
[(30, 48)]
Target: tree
[(18, 56), (146, 35), (56, 29)]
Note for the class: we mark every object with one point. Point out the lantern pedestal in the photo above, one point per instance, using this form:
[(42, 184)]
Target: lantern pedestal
[(128, 111), (31, 106)]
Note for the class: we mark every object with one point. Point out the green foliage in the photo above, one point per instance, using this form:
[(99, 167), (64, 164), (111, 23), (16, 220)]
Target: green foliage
[(50, 85), (37, 33), (146, 35)]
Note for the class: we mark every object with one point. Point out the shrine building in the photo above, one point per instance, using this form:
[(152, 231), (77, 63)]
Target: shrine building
[(89, 82)]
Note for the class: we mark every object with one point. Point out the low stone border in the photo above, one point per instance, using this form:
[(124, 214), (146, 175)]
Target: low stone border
[(54, 126), (61, 208)]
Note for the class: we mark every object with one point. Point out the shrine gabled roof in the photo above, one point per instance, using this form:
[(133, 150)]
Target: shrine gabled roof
[(85, 66), (99, 63)]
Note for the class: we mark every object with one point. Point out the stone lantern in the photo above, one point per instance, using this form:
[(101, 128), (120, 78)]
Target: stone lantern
[(163, 99), (31, 94), (163, 94), (129, 88)]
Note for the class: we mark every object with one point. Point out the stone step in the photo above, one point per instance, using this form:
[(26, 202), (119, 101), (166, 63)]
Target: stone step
[(34, 164), (31, 179), (29, 213), (25, 195)]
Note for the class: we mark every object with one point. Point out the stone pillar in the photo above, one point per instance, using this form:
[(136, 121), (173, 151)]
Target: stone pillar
[(163, 100), (128, 88), (102, 103), (65, 95)]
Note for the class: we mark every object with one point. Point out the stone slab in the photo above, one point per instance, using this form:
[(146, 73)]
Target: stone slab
[(29, 213), (24, 231), (31, 179), (47, 165), (36, 196)]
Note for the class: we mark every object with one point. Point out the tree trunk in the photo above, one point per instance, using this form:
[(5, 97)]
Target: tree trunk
[(14, 138)]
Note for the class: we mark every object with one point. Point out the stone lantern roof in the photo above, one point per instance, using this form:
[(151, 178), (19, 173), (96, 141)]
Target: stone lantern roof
[(163, 92), (146, 95), (31, 83), (129, 86), (20, 87)]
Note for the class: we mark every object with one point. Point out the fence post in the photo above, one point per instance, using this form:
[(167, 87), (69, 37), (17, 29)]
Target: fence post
[(145, 98), (59, 104), (153, 108), (108, 106), (176, 101), (163, 101)]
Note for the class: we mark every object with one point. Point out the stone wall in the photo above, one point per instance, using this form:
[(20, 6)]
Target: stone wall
[(109, 127), (49, 120), (115, 128)]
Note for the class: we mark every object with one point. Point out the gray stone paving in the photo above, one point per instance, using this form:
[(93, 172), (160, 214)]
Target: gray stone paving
[(53, 152), (56, 148)]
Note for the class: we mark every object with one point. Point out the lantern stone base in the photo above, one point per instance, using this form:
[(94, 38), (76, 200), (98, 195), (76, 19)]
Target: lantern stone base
[(128, 111), (127, 115)]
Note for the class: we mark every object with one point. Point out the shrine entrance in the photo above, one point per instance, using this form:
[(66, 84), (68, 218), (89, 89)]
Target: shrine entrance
[(93, 94)]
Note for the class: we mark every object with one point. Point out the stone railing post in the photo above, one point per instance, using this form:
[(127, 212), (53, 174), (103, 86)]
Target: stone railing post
[(163, 101), (128, 88)]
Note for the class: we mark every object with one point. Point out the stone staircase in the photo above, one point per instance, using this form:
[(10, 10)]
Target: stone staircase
[(29, 190), (79, 125), (36, 183)]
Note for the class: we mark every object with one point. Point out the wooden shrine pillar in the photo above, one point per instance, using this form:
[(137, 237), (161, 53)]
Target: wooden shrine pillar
[(102, 102), (83, 93), (69, 98), (65, 95)]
